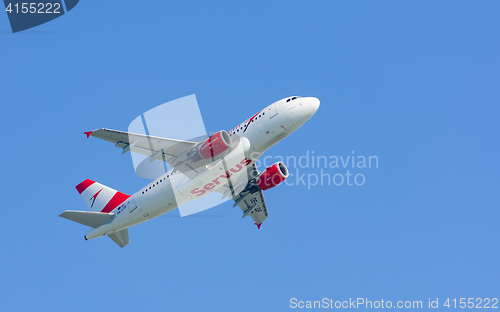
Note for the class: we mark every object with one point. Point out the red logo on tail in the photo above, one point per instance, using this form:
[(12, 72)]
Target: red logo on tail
[(94, 197)]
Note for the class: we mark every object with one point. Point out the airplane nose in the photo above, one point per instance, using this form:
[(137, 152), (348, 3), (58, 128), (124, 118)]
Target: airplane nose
[(314, 104)]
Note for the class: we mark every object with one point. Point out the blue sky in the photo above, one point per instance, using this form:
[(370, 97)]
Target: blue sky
[(413, 83)]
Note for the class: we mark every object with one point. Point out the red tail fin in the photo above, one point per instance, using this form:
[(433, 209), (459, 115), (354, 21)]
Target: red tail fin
[(99, 197)]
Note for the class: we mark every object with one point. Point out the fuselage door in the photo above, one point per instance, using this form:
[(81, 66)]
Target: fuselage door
[(131, 204), (273, 112)]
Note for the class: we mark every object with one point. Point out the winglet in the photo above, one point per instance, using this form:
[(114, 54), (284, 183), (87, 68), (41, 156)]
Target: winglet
[(88, 133), (258, 225)]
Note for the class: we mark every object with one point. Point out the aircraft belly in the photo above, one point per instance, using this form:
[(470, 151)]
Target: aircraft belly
[(214, 176), (148, 206)]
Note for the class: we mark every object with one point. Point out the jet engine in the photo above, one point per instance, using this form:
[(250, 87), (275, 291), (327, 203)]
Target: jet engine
[(272, 176), (215, 145)]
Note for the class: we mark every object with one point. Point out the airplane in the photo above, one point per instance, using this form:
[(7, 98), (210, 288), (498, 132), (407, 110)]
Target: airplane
[(222, 163)]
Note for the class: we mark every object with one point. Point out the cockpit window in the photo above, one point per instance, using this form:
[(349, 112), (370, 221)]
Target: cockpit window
[(292, 98)]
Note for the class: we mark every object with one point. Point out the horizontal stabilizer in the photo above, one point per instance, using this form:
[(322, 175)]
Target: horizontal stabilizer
[(88, 218), (120, 237)]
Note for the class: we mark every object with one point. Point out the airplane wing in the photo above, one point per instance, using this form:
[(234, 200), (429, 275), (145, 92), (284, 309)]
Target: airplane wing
[(168, 150), (159, 148), (252, 204), (179, 154)]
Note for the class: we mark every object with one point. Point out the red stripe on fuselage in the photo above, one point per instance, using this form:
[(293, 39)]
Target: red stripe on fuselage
[(115, 201), (249, 121), (84, 185)]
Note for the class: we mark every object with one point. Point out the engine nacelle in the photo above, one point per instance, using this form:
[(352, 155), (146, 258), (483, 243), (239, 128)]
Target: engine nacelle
[(273, 176), (215, 145)]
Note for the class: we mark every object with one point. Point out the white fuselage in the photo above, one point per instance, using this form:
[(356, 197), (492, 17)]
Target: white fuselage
[(169, 191)]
